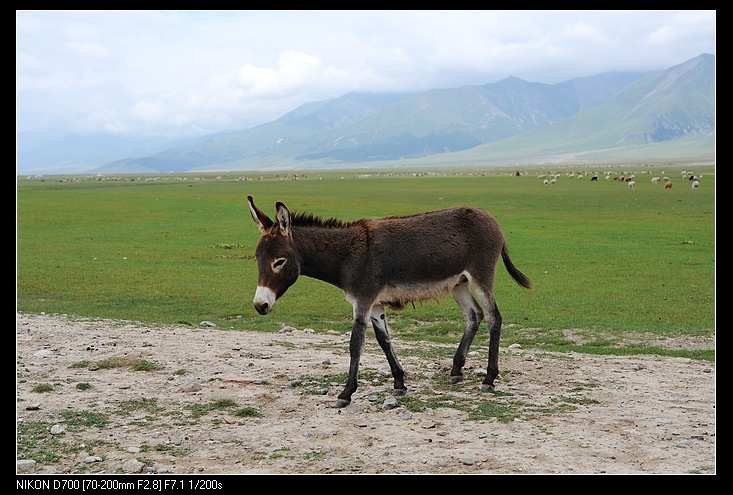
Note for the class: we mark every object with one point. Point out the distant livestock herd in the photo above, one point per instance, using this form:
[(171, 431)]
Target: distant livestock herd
[(627, 177)]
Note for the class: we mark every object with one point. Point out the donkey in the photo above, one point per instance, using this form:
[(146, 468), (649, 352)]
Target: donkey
[(389, 262)]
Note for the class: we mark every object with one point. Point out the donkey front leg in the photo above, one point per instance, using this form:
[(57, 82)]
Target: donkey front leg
[(355, 346), (381, 330)]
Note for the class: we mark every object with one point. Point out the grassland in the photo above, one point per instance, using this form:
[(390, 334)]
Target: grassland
[(605, 262)]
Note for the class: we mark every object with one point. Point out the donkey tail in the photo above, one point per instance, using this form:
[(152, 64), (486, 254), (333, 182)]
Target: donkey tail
[(518, 276)]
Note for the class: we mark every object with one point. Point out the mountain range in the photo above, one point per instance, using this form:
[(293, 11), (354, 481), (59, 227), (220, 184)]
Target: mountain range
[(617, 115)]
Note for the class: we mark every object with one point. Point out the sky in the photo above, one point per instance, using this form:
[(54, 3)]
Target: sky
[(180, 74)]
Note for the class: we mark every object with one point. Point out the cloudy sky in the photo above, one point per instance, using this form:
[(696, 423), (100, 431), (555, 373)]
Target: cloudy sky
[(184, 73)]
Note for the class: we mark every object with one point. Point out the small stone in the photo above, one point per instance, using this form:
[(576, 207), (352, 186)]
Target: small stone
[(163, 469), (372, 398), (207, 324), (147, 344), (287, 329), (467, 462), (133, 450), (24, 465), (133, 466), (42, 353), (33, 407), (295, 383), (191, 387), (405, 415), (259, 381), (390, 403), (473, 354), (309, 330), (514, 347), (326, 361), (91, 459), (428, 425), (707, 370), (57, 429)]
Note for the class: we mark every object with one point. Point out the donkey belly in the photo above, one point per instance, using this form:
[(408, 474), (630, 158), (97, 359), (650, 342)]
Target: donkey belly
[(397, 294)]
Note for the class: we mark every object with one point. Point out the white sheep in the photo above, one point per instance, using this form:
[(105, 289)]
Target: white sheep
[(632, 185), (553, 181), (545, 182), (695, 184), (655, 180)]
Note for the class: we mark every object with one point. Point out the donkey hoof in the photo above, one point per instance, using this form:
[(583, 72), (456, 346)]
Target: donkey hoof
[(487, 387), (399, 391), (456, 379), (342, 403)]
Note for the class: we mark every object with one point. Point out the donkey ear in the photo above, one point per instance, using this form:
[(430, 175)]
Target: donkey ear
[(283, 218), (262, 220)]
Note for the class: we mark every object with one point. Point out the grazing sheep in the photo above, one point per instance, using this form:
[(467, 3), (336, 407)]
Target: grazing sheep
[(632, 185), (695, 184), (693, 177), (594, 178), (668, 185), (608, 177), (655, 180), (667, 179), (545, 182), (553, 181)]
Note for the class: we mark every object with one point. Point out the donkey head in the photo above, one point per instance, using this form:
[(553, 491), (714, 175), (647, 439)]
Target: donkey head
[(277, 259)]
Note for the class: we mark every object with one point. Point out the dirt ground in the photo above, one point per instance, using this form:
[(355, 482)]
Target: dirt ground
[(552, 413)]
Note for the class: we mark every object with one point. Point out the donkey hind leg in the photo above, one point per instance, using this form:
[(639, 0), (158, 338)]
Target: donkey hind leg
[(381, 330), (355, 346), (486, 300), (473, 315)]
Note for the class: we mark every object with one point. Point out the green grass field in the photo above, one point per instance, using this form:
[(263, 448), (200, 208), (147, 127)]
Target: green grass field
[(605, 262)]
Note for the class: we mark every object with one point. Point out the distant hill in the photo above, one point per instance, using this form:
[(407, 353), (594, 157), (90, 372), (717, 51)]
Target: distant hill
[(40, 152), (362, 126), (602, 116), (669, 113)]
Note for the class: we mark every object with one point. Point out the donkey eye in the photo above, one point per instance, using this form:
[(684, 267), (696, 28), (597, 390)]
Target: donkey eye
[(278, 263)]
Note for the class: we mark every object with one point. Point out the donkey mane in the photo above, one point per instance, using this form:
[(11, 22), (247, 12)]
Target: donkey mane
[(305, 219)]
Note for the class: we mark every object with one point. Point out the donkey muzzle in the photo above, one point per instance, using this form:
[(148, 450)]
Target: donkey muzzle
[(264, 300)]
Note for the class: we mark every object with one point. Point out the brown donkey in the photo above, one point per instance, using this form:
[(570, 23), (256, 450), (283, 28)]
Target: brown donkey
[(389, 262)]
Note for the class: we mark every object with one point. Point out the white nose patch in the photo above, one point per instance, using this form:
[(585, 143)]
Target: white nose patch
[(264, 295)]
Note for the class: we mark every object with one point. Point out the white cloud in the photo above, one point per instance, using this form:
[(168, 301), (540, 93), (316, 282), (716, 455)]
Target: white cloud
[(88, 49), (178, 73)]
